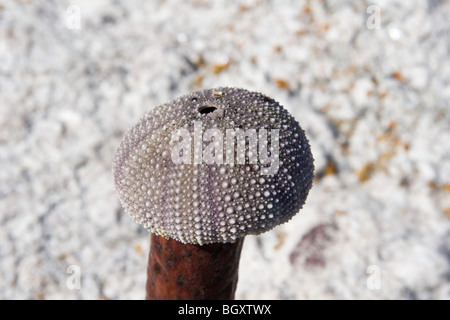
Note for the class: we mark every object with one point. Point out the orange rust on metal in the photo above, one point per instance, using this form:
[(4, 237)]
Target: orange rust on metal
[(178, 271)]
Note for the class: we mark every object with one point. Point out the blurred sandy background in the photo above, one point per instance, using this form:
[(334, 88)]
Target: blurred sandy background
[(369, 81)]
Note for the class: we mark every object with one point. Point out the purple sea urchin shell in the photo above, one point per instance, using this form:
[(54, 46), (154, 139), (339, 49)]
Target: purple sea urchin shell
[(197, 189)]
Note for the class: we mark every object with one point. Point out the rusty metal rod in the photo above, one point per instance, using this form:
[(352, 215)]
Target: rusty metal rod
[(178, 271)]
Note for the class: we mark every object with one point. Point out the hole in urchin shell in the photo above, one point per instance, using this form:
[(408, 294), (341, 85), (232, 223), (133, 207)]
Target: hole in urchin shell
[(206, 109)]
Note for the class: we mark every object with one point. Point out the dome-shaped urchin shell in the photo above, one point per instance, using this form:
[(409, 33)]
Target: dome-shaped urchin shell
[(214, 165)]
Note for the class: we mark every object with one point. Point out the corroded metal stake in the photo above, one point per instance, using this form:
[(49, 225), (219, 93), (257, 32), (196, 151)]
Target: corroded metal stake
[(192, 272)]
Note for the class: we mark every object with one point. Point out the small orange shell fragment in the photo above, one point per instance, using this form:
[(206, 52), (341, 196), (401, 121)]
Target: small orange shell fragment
[(282, 84)]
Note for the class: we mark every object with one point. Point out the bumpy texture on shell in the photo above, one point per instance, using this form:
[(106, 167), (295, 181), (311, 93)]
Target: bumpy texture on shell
[(208, 203)]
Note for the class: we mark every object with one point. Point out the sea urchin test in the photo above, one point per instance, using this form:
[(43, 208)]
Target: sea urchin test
[(203, 171), (213, 166)]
